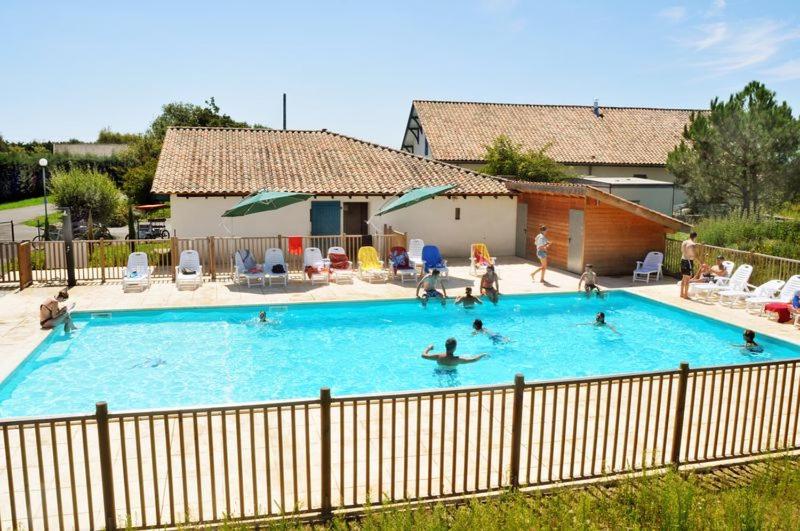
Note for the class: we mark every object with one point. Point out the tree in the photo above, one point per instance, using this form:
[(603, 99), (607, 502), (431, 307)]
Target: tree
[(84, 191), (143, 151), (107, 136), (741, 153), (506, 157)]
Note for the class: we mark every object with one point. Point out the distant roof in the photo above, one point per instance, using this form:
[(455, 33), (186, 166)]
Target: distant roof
[(582, 190), (231, 161), (623, 181), (632, 136)]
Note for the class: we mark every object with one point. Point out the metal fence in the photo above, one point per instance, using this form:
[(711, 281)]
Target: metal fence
[(313, 457), (765, 267), (101, 260)]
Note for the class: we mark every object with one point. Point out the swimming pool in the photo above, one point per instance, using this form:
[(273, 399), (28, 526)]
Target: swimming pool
[(184, 357)]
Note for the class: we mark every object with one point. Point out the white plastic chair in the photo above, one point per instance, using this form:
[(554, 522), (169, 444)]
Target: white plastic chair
[(312, 257), (756, 304), (272, 257), (651, 265), (737, 281), (415, 246), (190, 263), (730, 297), (137, 272), (340, 275), (240, 272)]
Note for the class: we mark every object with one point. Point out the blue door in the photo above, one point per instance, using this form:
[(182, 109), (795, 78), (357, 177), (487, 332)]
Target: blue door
[(326, 218)]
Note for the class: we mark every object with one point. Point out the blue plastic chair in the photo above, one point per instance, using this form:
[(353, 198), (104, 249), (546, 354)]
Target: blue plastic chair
[(432, 259)]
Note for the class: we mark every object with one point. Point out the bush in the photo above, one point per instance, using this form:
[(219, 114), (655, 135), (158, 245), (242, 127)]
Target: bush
[(84, 191), (748, 233)]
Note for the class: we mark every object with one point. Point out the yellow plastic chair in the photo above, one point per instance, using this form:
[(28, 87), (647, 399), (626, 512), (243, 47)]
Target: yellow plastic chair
[(370, 267)]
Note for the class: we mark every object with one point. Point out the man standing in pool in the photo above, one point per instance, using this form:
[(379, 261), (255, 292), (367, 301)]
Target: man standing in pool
[(448, 357), (431, 284), (468, 300)]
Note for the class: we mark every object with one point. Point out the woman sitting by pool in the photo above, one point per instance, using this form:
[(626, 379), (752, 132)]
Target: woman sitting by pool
[(477, 328)]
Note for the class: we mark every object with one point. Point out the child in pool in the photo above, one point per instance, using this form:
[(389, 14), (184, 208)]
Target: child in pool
[(750, 344), (477, 328)]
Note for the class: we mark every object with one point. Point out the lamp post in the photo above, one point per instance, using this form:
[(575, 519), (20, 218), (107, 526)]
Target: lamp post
[(43, 164)]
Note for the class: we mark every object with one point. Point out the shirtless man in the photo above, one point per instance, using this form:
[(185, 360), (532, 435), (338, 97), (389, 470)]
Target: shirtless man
[(431, 283), (589, 281), (687, 263), (707, 274), (52, 314), (448, 357), (468, 300), (490, 284)]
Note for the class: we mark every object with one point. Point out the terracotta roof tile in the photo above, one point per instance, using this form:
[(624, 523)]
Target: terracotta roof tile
[(460, 131), (220, 161)]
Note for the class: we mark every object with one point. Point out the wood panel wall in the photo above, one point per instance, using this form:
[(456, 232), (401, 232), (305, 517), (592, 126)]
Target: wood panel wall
[(614, 239), (553, 211)]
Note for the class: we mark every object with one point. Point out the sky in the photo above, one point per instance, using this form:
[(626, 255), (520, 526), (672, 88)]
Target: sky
[(68, 69)]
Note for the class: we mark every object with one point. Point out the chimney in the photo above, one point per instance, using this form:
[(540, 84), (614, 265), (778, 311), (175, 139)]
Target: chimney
[(596, 108)]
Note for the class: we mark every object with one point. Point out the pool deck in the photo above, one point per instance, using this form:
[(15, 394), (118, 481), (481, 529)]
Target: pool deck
[(20, 332)]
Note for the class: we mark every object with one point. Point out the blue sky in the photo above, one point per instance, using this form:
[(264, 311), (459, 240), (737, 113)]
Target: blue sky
[(67, 69)]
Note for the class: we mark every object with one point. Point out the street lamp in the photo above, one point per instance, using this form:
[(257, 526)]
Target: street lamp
[(43, 164)]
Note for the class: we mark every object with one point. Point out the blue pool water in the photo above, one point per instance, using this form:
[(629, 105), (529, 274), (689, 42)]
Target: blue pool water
[(157, 359)]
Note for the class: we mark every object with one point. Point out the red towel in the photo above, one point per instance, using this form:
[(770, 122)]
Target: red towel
[(339, 261), (781, 308), (311, 270), (296, 245)]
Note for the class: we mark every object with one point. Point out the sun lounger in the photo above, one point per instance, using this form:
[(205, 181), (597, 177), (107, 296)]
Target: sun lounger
[(189, 272), (432, 259), (479, 258), (415, 247), (731, 297), (314, 266), (243, 273), (340, 265), (737, 281), (137, 272), (651, 265), (401, 265), (275, 268), (370, 267), (756, 304)]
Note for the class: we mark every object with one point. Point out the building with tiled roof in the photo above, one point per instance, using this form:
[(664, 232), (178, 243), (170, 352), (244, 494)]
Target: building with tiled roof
[(206, 171), (591, 140)]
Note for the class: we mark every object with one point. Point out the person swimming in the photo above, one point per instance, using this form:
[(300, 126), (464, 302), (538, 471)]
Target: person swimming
[(448, 357), (477, 328), (600, 320), (750, 344)]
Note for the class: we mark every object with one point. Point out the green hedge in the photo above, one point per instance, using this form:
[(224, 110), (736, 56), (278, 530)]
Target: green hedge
[(761, 235), (158, 253)]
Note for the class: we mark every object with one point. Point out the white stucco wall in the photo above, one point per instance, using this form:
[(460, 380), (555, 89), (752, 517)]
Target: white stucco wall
[(488, 219)]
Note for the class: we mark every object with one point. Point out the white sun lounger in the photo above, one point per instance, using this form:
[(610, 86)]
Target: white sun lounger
[(190, 263), (756, 304), (137, 272), (241, 274), (312, 257), (340, 275), (651, 265), (415, 246), (737, 281), (731, 297), (272, 257)]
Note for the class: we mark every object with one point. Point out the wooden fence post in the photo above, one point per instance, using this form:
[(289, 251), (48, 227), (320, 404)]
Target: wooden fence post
[(102, 253), (325, 448), (24, 264), (212, 257), (680, 406), (106, 477), (173, 256), (516, 428)]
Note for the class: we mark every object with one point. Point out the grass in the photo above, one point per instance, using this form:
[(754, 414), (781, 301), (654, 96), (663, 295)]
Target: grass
[(117, 253), (33, 201), (763, 495), (55, 217)]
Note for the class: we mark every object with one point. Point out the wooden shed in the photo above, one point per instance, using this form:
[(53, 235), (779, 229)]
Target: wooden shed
[(589, 226)]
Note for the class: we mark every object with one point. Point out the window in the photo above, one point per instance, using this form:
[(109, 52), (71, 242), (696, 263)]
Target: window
[(458, 213), (640, 175), (426, 147)]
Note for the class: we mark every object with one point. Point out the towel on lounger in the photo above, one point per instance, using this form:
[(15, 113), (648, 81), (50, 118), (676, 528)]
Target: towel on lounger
[(339, 261), (296, 245)]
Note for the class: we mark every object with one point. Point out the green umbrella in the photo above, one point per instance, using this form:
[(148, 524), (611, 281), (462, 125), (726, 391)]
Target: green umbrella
[(414, 196), (263, 201)]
